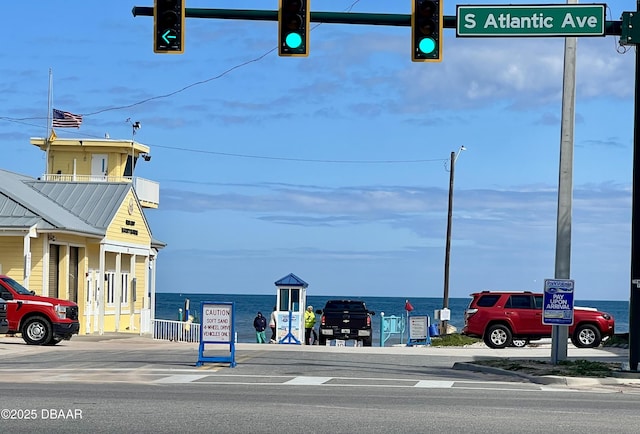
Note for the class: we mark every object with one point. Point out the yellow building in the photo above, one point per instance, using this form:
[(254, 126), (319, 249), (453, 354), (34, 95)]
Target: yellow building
[(80, 233)]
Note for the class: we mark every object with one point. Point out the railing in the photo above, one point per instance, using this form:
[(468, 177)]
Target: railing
[(147, 191), (391, 325), (65, 177), (178, 331)]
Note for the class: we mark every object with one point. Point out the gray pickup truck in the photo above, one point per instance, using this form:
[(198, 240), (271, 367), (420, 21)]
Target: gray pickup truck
[(345, 319)]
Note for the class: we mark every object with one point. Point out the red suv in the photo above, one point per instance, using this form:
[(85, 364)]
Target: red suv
[(514, 318)]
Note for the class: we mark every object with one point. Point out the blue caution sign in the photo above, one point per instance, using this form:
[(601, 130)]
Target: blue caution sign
[(558, 302), (217, 327)]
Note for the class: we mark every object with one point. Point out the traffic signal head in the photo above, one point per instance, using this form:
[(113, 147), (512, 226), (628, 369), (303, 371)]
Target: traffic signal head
[(168, 26), (426, 30), (294, 18)]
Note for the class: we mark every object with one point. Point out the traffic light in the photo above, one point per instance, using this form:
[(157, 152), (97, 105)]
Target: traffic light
[(426, 30), (294, 18), (168, 26)]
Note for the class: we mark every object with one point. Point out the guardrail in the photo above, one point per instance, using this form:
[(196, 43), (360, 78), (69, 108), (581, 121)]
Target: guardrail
[(391, 325), (178, 331)]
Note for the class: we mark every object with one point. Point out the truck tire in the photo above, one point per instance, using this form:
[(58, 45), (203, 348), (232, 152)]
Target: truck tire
[(54, 341), (37, 331), (366, 342)]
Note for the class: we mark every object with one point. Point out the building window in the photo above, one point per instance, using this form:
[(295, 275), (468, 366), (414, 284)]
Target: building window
[(124, 292), (109, 279)]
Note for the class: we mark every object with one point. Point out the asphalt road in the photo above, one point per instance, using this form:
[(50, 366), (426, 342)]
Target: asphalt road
[(269, 408), (137, 385)]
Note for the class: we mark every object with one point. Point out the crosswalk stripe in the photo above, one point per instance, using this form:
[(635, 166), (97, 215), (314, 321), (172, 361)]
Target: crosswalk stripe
[(307, 381), (179, 379), (434, 384)]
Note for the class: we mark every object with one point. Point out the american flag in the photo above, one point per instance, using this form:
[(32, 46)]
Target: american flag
[(66, 120)]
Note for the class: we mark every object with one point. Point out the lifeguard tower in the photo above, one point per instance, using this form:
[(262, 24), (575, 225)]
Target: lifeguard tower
[(290, 306)]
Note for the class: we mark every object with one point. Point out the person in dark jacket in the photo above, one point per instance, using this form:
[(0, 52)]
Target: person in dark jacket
[(260, 324)]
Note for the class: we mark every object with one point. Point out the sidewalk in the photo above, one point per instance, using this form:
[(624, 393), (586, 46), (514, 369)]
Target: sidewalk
[(462, 357), (540, 350)]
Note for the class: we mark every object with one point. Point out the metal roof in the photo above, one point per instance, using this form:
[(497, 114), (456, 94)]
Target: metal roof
[(96, 203), (15, 216), (291, 280), (26, 202)]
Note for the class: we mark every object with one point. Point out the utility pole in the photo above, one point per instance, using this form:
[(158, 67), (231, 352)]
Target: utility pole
[(447, 250), (560, 333), (634, 299)]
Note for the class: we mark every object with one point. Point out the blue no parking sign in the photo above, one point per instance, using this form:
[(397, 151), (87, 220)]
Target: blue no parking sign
[(558, 302)]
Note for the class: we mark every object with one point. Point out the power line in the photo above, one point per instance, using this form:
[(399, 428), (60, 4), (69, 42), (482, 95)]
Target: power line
[(303, 160), (225, 154), (265, 157), (189, 86)]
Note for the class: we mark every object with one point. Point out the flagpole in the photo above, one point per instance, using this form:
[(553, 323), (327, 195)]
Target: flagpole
[(49, 126), (406, 326)]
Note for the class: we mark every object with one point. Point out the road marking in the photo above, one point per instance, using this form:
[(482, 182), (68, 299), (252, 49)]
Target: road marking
[(192, 376), (212, 368), (434, 384), (179, 379), (307, 381)]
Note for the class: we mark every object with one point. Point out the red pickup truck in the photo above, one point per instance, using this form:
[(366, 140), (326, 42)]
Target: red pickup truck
[(40, 320)]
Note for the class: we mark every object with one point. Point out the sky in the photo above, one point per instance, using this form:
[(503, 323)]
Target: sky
[(335, 167)]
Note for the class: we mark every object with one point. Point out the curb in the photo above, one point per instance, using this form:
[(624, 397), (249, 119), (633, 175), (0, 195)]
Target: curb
[(538, 379)]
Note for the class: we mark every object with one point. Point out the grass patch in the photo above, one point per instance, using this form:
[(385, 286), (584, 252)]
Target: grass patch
[(619, 340), (453, 340), (564, 368)]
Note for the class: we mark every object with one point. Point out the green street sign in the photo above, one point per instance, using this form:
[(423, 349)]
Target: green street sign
[(530, 20)]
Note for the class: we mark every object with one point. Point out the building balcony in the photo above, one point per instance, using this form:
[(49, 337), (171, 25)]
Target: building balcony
[(148, 192)]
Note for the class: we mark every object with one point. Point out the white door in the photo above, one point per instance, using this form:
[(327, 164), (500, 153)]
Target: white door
[(90, 303), (97, 299), (99, 168)]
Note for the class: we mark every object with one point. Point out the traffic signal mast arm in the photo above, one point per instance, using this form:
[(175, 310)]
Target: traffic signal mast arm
[(402, 20)]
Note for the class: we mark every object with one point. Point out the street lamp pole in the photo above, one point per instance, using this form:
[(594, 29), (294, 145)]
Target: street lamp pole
[(447, 251)]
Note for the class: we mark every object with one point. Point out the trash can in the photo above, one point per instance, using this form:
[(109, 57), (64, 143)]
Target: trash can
[(433, 330)]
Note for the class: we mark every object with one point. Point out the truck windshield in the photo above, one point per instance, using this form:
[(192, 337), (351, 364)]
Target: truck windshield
[(352, 306), (16, 286)]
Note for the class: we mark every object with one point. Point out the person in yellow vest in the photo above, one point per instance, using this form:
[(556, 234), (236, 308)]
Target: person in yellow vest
[(309, 323)]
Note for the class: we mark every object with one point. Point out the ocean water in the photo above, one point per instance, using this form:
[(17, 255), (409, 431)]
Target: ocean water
[(246, 307)]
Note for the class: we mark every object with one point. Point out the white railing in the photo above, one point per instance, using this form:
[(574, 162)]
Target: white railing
[(147, 191), (84, 178), (178, 331)]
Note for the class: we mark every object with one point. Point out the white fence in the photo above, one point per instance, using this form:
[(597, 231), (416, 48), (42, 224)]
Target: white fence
[(179, 331)]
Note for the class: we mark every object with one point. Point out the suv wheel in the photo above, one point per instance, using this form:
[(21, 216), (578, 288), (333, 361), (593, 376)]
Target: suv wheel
[(36, 331), (498, 336), (586, 336), (519, 343)]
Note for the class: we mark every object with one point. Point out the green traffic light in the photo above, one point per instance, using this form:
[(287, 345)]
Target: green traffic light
[(293, 40), (427, 45)]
